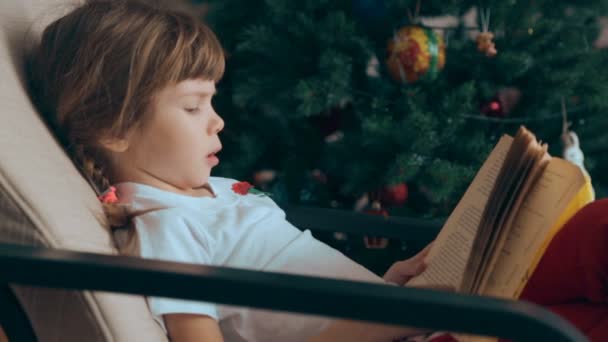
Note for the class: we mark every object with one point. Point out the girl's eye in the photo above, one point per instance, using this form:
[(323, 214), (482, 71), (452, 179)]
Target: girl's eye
[(191, 110)]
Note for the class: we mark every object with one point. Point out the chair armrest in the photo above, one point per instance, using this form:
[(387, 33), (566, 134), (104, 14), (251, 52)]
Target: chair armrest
[(336, 220), (46, 267)]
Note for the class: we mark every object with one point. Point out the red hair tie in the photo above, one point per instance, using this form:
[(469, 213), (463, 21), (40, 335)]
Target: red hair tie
[(109, 196)]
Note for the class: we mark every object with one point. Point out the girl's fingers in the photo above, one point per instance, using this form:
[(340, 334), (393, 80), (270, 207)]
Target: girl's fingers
[(420, 268)]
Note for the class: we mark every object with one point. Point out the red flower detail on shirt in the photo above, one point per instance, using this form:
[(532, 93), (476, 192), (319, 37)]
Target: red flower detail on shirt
[(244, 188), (241, 188)]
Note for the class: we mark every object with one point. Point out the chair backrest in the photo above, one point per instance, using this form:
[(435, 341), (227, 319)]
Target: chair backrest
[(45, 201)]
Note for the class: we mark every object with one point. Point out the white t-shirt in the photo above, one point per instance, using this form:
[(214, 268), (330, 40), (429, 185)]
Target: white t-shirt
[(242, 231)]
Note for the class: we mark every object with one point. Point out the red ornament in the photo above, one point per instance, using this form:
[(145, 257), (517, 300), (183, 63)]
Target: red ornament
[(241, 188), (395, 195), (502, 103), (493, 109)]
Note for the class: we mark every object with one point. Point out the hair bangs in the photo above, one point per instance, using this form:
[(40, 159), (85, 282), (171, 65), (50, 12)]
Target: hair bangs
[(197, 53)]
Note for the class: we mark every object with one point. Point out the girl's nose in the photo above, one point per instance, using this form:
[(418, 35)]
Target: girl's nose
[(217, 124)]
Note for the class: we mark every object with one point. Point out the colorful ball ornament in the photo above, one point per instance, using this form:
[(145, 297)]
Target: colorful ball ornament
[(415, 52)]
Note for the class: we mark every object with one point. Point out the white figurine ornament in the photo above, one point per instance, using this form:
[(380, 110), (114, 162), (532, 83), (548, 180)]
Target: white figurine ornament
[(572, 151)]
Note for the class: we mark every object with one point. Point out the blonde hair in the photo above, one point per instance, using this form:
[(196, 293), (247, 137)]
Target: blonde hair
[(96, 69)]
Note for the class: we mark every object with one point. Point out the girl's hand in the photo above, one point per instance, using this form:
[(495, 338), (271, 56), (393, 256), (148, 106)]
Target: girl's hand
[(402, 271)]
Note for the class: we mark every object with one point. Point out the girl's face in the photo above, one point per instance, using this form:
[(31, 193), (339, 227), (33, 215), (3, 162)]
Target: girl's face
[(174, 149)]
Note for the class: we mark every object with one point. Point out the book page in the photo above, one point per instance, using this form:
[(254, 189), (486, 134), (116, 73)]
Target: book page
[(538, 162), (499, 206), (549, 197), (448, 257)]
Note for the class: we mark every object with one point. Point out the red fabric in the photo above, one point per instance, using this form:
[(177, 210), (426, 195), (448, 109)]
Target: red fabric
[(572, 276)]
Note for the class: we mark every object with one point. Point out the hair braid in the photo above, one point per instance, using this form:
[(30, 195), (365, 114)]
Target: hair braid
[(91, 171), (117, 215)]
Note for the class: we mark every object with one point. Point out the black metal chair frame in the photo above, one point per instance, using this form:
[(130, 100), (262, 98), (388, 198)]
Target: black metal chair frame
[(424, 308)]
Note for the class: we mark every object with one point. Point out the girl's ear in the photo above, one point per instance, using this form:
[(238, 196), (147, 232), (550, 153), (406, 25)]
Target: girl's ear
[(115, 144)]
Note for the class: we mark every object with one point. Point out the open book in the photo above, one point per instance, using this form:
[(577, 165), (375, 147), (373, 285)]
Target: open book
[(497, 233)]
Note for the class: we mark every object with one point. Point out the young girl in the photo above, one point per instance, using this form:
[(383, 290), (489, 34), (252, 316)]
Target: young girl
[(127, 88)]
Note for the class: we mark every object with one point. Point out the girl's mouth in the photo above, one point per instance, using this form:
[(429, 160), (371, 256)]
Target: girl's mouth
[(212, 159)]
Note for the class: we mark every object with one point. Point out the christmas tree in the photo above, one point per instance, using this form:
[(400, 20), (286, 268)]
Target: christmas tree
[(344, 103)]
